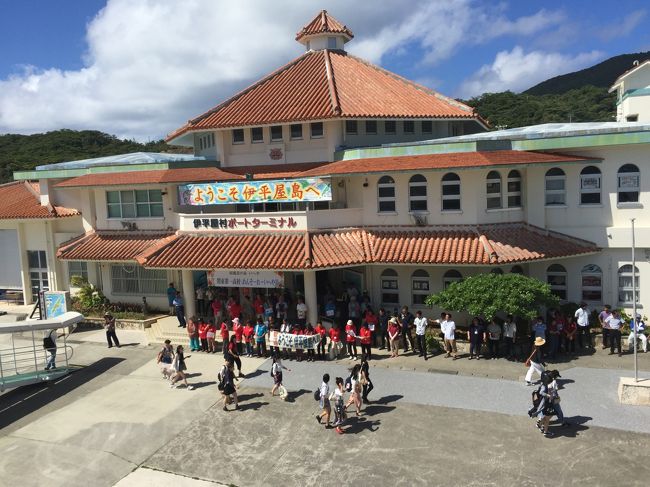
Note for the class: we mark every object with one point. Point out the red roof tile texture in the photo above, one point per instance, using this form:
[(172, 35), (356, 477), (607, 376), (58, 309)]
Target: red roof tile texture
[(453, 160), (484, 245), (327, 84), (323, 23), (21, 200), (111, 246)]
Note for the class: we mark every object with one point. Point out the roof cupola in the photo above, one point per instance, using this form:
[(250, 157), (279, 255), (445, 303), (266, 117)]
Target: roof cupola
[(324, 32)]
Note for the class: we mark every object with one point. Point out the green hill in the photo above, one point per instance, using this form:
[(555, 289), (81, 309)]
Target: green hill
[(601, 75), (24, 152)]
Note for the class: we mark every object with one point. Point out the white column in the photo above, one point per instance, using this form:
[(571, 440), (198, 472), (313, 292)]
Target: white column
[(311, 297), (189, 298), (24, 265)]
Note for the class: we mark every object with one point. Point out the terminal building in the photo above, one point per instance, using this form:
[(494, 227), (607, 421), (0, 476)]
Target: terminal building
[(333, 172)]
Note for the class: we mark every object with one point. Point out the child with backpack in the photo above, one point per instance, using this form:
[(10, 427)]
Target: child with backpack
[(542, 407)]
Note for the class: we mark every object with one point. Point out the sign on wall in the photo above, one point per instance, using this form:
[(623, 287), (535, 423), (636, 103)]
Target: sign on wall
[(279, 191), (246, 278)]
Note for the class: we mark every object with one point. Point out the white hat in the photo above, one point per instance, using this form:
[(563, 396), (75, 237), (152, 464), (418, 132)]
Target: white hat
[(350, 322)]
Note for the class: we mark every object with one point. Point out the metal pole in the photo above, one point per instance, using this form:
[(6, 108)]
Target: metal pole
[(636, 363)]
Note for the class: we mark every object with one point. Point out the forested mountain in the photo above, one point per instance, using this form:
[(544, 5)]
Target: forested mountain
[(24, 152)]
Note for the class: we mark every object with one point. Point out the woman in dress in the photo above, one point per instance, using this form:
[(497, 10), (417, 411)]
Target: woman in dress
[(393, 336), (339, 408), (210, 337), (180, 368), (356, 389)]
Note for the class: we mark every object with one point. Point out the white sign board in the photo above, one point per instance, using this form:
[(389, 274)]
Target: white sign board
[(246, 278)]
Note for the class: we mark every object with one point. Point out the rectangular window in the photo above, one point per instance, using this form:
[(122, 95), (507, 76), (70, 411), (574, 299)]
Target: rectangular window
[(555, 192), (276, 133), (296, 131), (409, 127), (77, 269), (592, 287), (420, 290), (557, 283), (317, 130), (141, 203), (371, 127), (331, 42), (200, 143), (351, 127), (427, 127), (257, 135), (493, 188), (238, 136), (389, 290), (133, 279), (390, 127), (514, 192), (590, 189)]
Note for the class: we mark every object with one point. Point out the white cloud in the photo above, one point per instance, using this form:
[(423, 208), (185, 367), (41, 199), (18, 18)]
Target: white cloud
[(152, 64), (517, 70), (622, 27)]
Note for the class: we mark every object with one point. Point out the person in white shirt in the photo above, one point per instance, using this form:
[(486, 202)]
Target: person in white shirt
[(301, 312), (448, 328), (421, 324), (615, 324), (510, 337), (324, 402), (638, 322), (582, 318), (494, 338)]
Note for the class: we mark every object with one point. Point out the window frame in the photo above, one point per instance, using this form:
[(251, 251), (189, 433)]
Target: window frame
[(143, 282), (632, 171), (493, 179), (294, 128), (418, 181), (393, 124), (135, 204), (551, 192), (81, 272), (314, 134), (370, 131), (386, 182), (588, 173), (559, 289), (514, 179), (235, 138), (275, 128), (260, 131), (591, 271), (450, 179), (449, 277), (420, 292), (389, 276), (351, 127), (408, 127), (625, 271), (429, 123)]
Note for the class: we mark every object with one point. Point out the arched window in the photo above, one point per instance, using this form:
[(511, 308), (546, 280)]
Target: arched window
[(592, 283), (517, 269), (386, 194), (419, 287), (626, 286), (555, 187), (590, 186), (450, 277), (450, 192), (389, 287), (418, 193), (628, 184), (513, 194), (493, 190), (556, 278)]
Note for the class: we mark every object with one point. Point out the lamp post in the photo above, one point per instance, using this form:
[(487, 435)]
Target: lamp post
[(636, 364)]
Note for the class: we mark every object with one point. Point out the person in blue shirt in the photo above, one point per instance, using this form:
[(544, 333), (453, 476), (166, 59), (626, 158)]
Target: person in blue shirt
[(640, 334), (260, 337), (180, 310), (171, 295)]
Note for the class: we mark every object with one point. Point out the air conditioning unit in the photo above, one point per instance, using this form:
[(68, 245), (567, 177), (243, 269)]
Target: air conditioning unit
[(419, 219)]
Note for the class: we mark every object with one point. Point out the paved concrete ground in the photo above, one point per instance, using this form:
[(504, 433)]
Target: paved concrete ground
[(116, 421)]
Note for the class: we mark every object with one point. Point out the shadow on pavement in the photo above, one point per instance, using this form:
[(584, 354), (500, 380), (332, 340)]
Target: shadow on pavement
[(255, 406), (194, 374), (199, 385), (388, 399), (255, 373), (576, 426), (375, 409), (23, 401), (248, 397), (357, 425), (293, 395)]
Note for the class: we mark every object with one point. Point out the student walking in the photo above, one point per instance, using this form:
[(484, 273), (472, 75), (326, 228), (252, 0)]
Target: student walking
[(49, 344), (339, 408), (276, 373), (356, 388), (233, 353), (227, 385), (366, 383), (324, 402), (165, 359), (534, 361), (109, 326), (179, 369)]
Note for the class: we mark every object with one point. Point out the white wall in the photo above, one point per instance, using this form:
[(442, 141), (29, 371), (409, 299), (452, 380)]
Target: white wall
[(10, 276)]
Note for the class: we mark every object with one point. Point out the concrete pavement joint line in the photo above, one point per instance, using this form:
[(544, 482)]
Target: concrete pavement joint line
[(215, 482)]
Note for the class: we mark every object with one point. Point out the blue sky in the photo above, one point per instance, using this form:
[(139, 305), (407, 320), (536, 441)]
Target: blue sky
[(140, 68)]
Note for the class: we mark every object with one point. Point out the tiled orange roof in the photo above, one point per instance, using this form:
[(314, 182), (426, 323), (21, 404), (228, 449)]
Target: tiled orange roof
[(451, 245), (21, 199), (327, 84), (251, 251), (321, 24), (452, 160), (274, 171), (111, 246)]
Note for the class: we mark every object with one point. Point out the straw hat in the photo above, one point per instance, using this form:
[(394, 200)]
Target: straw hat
[(539, 341), (393, 320)]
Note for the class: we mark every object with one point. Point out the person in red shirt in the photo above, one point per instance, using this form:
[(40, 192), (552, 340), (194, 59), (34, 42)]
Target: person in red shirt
[(203, 335), (217, 309), (238, 330), (320, 349), (297, 330), (235, 310), (248, 338), (393, 336), (569, 332), (351, 339), (311, 353), (365, 337), (234, 354), (258, 306), (335, 341), (373, 321), (211, 338), (224, 336)]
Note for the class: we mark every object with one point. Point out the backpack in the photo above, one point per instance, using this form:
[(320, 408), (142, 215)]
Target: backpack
[(317, 395), (348, 383), (221, 377), (536, 398), (48, 343)]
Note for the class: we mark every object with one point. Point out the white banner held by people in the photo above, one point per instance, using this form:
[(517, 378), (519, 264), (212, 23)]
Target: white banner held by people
[(288, 340)]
